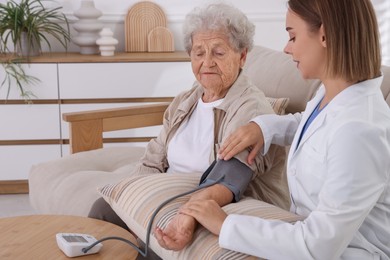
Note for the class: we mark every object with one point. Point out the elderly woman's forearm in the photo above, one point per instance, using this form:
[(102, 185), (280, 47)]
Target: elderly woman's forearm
[(218, 192)]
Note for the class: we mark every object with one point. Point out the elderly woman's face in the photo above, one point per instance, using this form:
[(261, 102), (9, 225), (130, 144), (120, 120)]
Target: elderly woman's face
[(215, 63)]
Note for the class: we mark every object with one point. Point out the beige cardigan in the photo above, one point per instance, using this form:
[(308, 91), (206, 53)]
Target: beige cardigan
[(243, 102)]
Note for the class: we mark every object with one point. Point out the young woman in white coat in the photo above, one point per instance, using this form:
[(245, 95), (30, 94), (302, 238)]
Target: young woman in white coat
[(339, 162)]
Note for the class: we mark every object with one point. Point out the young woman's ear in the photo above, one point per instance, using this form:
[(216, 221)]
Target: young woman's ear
[(322, 35)]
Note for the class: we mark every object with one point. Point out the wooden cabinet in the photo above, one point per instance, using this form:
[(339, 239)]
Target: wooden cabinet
[(34, 133)]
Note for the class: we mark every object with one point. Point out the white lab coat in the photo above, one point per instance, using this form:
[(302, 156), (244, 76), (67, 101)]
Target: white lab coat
[(338, 178)]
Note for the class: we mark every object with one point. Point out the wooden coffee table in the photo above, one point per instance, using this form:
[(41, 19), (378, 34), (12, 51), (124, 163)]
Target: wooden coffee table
[(33, 237)]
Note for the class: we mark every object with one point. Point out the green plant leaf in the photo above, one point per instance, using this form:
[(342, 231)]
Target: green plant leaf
[(32, 18), (15, 75)]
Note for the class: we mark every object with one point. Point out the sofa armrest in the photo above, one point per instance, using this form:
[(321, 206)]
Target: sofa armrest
[(86, 128)]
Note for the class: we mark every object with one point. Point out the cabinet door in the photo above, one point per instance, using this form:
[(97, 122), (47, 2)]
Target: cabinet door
[(26, 128), (25, 122), (118, 80), (45, 88), (17, 160)]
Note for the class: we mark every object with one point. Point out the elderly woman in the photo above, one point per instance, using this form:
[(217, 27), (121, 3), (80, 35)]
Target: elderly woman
[(217, 38)]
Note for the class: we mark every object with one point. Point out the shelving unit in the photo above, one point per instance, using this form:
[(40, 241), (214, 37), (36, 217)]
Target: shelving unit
[(69, 82)]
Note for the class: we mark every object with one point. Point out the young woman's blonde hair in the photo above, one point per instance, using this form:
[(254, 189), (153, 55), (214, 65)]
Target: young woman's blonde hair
[(351, 34)]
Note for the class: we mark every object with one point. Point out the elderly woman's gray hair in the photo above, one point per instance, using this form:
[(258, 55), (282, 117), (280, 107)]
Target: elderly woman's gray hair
[(220, 17)]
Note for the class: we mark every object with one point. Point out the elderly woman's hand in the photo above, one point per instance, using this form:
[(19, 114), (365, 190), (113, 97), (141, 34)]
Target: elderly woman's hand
[(207, 212), (249, 135), (177, 234)]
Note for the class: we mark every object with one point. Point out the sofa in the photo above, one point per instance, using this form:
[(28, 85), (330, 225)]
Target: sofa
[(71, 184)]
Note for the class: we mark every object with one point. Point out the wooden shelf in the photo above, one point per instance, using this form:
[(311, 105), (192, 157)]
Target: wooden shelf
[(72, 57)]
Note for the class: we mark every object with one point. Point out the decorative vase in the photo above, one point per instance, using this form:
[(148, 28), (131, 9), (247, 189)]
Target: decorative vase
[(106, 42), (26, 47), (88, 27)]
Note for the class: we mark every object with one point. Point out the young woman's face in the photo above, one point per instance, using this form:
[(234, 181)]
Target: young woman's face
[(308, 49)]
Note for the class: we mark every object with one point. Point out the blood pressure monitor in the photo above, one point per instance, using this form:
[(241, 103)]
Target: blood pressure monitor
[(73, 243)]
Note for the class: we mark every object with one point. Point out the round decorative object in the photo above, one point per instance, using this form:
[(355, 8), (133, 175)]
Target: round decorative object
[(140, 20), (106, 42), (88, 27), (160, 39)]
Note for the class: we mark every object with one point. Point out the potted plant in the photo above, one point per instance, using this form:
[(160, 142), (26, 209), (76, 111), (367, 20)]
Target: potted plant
[(28, 23), (25, 25)]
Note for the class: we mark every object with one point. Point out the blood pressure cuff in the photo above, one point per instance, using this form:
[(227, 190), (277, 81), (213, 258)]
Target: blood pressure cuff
[(235, 176)]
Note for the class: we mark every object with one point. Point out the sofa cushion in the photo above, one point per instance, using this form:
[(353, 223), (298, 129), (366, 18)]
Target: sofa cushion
[(279, 105), (385, 87), (69, 185), (276, 74), (136, 198)]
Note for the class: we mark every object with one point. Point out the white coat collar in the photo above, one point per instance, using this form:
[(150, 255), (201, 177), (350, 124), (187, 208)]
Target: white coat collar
[(343, 99)]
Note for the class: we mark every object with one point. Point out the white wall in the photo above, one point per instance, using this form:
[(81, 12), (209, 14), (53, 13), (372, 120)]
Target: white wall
[(268, 16)]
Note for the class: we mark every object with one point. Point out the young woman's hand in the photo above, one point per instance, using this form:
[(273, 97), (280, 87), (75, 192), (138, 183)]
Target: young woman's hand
[(207, 212), (247, 136)]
